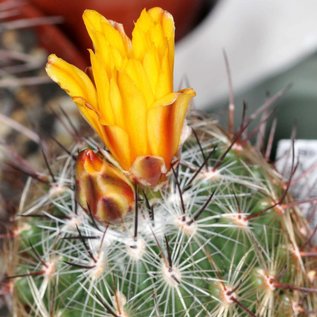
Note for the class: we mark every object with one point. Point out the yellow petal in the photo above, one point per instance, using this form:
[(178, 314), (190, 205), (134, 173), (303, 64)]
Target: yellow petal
[(158, 127), (116, 103), (135, 70), (74, 81), (154, 27), (102, 86), (113, 32), (178, 114), (90, 115), (165, 123), (164, 83), (135, 115), (153, 45), (79, 86), (169, 31), (151, 64), (117, 141), (108, 37)]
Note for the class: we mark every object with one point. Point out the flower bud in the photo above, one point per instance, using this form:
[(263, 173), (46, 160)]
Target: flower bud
[(102, 189)]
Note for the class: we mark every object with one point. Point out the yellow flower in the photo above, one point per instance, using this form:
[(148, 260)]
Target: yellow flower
[(129, 100)]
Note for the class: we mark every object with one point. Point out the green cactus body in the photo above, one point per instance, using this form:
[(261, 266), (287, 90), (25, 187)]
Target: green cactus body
[(220, 238)]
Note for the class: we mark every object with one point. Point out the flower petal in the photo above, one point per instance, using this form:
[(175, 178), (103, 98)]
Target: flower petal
[(135, 70), (116, 103), (135, 115), (165, 123), (178, 114), (153, 45), (90, 114), (117, 141), (102, 87), (108, 37), (78, 86), (74, 81)]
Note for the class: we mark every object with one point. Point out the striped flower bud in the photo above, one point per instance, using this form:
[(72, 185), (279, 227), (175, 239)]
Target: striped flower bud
[(102, 189)]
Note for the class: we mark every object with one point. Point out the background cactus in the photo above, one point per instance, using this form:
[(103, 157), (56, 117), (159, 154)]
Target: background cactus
[(222, 237)]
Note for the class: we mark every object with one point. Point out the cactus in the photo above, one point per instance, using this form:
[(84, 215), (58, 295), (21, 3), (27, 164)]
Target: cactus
[(221, 237), (214, 233)]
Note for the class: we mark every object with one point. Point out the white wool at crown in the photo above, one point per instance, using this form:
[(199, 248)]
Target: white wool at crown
[(261, 38)]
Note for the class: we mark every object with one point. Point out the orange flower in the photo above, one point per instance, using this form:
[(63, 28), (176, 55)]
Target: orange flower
[(101, 188), (129, 100)]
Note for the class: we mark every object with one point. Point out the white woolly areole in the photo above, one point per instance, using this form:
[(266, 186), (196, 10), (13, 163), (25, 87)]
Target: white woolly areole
[(228, 295), (100, 266), (268, 279), (171, 275), (185, 225), (50, 267), (240, 219), (135, 248)]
